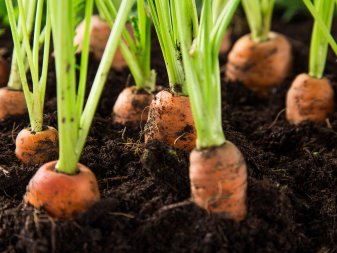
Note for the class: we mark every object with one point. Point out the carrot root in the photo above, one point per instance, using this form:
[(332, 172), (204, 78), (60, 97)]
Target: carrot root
[(12, 103), (170, 120), (132, 106), (218, 178), (260, 66), (37, 147), (309, 99), (62, 196)]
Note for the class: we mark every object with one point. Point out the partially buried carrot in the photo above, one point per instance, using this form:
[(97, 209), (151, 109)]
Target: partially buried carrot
[(260, 66), (170, 120), (261, 59), (61, 195), (218, 172), (309, 99), (99, 35), (12, 103), (132, 106), (37, 147), (218, 178)]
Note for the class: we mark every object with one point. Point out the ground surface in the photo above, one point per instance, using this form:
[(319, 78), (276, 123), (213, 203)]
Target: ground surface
[(292, 187)]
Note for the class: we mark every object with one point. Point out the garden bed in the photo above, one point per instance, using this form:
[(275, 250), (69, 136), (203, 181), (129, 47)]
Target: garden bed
[(292, 186)]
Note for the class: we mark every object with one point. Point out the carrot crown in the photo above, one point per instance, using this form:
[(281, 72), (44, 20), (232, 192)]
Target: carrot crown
[(137, 51), (166, 26), (201, 63), (259, 14), (323, 11), (74, 121), (24, 51)]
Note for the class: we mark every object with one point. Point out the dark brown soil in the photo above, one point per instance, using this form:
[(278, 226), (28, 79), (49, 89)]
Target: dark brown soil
[(292, 188)]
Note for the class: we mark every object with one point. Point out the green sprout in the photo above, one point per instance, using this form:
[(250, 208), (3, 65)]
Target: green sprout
[(259, 15), (75, 118), (323, 11), (136, 52), (200, 45), (23, 51), (167, 31)]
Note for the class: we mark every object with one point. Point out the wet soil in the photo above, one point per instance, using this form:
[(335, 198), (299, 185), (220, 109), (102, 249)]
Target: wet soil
[(292, 187)]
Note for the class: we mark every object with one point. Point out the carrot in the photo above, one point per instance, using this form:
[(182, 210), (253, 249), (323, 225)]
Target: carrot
[(4, 72), (63, 196), (218, 178), (170, 120), (12, 102), (218, 172), (260, 65), (309, 99), (132, 106), (99, 35), (37, 147), (65, 188)]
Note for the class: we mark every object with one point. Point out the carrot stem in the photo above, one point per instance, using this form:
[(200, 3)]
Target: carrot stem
[(319, 43)]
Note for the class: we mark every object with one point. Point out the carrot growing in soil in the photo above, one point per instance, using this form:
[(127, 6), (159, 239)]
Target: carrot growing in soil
[(218, 171), (133, 103), (170, 116), (65, 187), (38, 143), (261, 59), (311, 97)]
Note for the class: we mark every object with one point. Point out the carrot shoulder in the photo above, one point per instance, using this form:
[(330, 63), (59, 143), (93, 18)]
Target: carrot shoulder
[(260, 66), (170, 120), (37, 147), (12, 103), (132, 106), (309, 99), (62, 196), (218, 178)]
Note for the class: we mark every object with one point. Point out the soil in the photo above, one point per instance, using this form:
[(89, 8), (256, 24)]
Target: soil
[(145, 207)]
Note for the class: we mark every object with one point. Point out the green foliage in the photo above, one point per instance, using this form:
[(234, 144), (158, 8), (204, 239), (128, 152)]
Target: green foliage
[(291, 8)]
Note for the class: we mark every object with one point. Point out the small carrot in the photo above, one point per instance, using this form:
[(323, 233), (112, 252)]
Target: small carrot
[(310, 96), (261, 59), (12, 102), (62, 196), (259, 66), (170, 120), (37, 147), (99, 35), (132, 106), (4, 72)]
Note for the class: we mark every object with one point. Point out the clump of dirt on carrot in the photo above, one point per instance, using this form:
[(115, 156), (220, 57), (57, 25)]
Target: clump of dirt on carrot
[(37, 147)]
